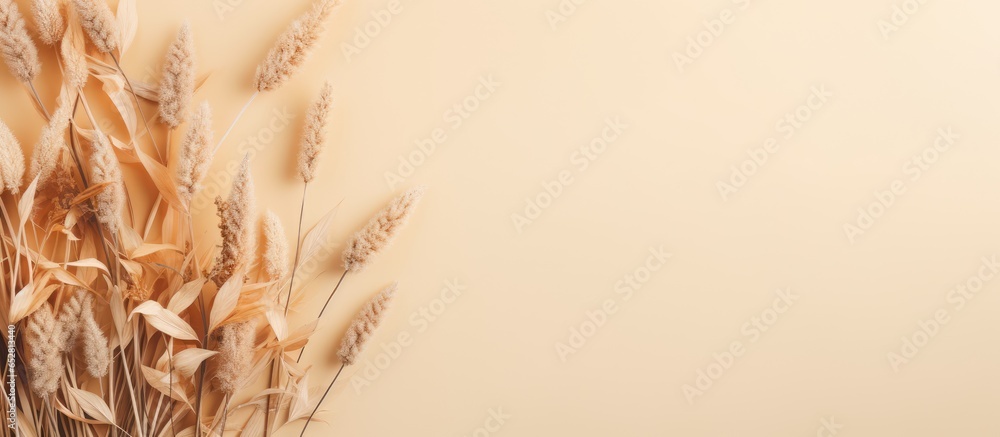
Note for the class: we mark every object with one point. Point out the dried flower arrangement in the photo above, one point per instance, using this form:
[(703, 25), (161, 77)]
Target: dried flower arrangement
[(119, 326)]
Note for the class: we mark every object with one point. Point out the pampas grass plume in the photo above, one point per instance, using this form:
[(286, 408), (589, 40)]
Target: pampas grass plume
[(236, 343), (69, 320), (51, 142), (236, 217), (45, 365), (49, 21), (364, 325), (18, 49), (196, 153), (380, 230), (292, 48), (11, 161), (177, 84), (96, 354), (312, 135), (275, 248), (104, 168), (99, 23)]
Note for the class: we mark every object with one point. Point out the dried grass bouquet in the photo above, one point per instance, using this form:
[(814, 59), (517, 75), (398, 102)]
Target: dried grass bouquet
[(121, 328)]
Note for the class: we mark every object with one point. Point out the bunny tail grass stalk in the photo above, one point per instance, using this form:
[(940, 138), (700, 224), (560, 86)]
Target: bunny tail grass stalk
[(321, 399)]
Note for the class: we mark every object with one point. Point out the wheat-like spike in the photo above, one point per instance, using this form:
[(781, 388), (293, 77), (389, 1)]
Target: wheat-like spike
[(236, 217), (11, 161), (196, 153), (275, 247), (313, 133), (19, 51), (99, 23), (49, 21), (177, 84), (380, 230), (104, 168), (364, 325), (75, 70), (50, 144), (45, 365), (96, 354), (292, 48), (69, 320), (236, 344)]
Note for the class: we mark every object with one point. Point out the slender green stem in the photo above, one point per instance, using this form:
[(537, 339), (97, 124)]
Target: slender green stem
[(342, 365)]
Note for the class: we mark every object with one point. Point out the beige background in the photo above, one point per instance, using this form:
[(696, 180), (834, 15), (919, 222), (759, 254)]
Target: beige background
[(495, 347)]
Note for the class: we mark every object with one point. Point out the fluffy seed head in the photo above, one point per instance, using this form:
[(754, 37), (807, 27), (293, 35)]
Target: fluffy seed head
[(235, 358), (74, 65), (69, 320), (49, 20), (41, 337), (275, 248), (99, 23), (50, 144), (96, 354), (196, 153), (16, 46), (312, 135), (380, 230), (292, 48), (364, 325), (177, 84), (11, 161), (104, 168), (236, 217)]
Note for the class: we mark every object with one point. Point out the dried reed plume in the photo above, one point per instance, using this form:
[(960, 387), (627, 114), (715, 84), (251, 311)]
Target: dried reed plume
[(236, 343), (196, 154), (99, 23), (104, 168), (275, 248), (50, 144), (177, 84), (236, 217), (16, 46), (45, 365), (364, 325), (74, 66), (292, 48), (96, 354), (69, 320), (312, 136), (48, 20), (11, 161), (380, 230)]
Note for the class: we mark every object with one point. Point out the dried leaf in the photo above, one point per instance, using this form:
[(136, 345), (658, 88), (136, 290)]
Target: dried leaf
[(187, 361), (186, 295), (168, 323), (93, 405), (225, 301)]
